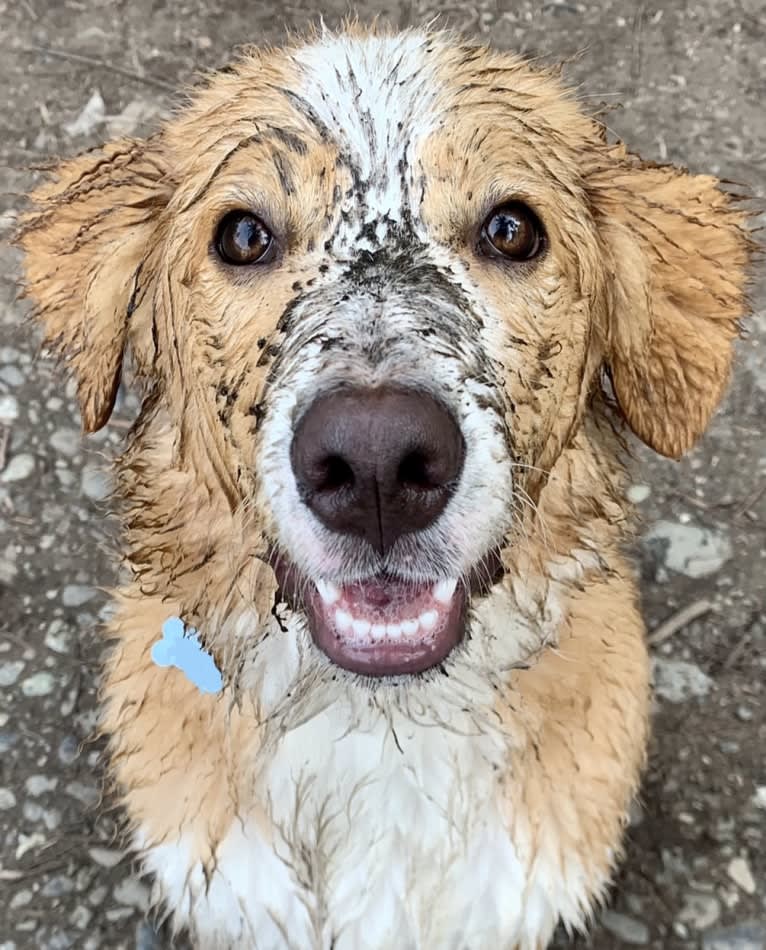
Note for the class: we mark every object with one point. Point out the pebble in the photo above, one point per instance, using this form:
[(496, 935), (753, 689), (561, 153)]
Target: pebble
[(133, 893), (638, 493), (65, 441), (689, 549), (95, 483), (700, 911), (106, 857), (68, 750), (86, 794), (11, 375), (19, 468), (21, 899), (7, 799), (91, 117), (759, 798), (80, 917), (625, 928), (39, 684), (57, 886), (676, 680), (97, 895), (39, 784), (75, 595), (10, 671), (59, 637), (60, 940), (739, 871), (749, 935), (138, 113), (9, 409)]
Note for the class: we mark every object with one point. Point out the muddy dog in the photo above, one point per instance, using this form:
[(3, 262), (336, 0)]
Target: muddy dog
[(379, 675)]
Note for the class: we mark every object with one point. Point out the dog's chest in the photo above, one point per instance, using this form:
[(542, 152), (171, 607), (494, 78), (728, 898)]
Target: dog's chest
[(378, 836)]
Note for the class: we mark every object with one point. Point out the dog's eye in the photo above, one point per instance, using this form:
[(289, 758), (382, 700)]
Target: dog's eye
[(242, 238), (514, 231)]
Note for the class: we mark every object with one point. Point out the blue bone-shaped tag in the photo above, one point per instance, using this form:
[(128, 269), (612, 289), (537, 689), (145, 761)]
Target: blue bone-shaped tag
[(183, 650)]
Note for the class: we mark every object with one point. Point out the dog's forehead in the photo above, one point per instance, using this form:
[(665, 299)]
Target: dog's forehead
[(376, 96)]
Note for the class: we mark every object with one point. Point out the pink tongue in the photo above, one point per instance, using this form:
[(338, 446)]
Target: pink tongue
[(386, 599)]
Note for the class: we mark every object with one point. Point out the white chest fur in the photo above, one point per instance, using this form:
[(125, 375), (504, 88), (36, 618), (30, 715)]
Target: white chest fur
[(380, 841)]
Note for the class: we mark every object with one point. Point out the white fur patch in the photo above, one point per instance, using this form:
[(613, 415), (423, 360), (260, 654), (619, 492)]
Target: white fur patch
[(389, 827)]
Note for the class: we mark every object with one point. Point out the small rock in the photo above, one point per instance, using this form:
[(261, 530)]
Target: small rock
[(39, 784), (625, 928), (60, 940), (688, 549), (9, 409), (10, 671), (739, 871), (80, 917), (19, 468), (744, 713), (28, 843), (7, 799), (95, 483), (138, 113), (97, 895), (759, 798), (58, 638), (700, 911), (57, 886), (75, 595), (133, 893), (676, 680), (91, 117), (21, 899), (106, 857), (11, 375), (750, 935), (638, 493), (65, 441), (86, 794), (39, 684), (68, 750)]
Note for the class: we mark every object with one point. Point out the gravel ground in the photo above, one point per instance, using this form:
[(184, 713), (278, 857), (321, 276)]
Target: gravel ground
[(689, 77)]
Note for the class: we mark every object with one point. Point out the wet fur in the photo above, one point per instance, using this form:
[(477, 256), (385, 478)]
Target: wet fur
[(480, 803)]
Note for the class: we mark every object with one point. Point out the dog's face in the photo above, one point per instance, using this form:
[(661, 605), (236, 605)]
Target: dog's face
[(372, 284)]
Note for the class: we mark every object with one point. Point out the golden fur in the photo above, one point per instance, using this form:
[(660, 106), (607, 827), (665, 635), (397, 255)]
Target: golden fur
[(644, 283)]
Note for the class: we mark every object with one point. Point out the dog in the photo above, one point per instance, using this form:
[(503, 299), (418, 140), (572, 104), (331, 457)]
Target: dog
[(392, 301)]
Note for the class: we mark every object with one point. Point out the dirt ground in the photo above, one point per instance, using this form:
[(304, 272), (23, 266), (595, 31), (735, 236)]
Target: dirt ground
[(689, 77)]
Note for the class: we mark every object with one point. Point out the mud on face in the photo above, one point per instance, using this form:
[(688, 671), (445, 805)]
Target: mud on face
[(370, 286)]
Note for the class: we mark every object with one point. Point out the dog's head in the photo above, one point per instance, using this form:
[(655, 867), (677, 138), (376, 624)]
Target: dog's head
[(371, 284)]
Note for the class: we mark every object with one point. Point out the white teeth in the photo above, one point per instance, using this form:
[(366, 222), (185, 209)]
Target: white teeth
[(444, 590), (361, 627), (410, 627), (328, 592), (394, 630), (343, 620), (378, 631), (428, 619)]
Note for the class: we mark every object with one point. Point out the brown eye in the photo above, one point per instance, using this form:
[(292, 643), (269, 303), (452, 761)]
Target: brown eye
[(514, 231), (242, 238)]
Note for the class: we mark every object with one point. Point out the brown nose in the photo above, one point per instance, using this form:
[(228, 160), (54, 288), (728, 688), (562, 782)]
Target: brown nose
[(377, 463)]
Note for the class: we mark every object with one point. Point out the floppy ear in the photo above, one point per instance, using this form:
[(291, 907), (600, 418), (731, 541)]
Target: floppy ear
[(678, 252), (85, 237)]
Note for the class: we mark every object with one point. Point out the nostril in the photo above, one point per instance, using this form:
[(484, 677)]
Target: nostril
[(333, 474), (414, 472)]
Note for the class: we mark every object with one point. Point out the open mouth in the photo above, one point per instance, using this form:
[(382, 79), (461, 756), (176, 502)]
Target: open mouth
[(384, 625)]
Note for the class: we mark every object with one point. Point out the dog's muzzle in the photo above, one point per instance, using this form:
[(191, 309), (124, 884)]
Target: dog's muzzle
[(378, 464)]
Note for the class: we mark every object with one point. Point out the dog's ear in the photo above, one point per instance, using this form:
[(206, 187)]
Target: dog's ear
[(88, 230), (677, 250)]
